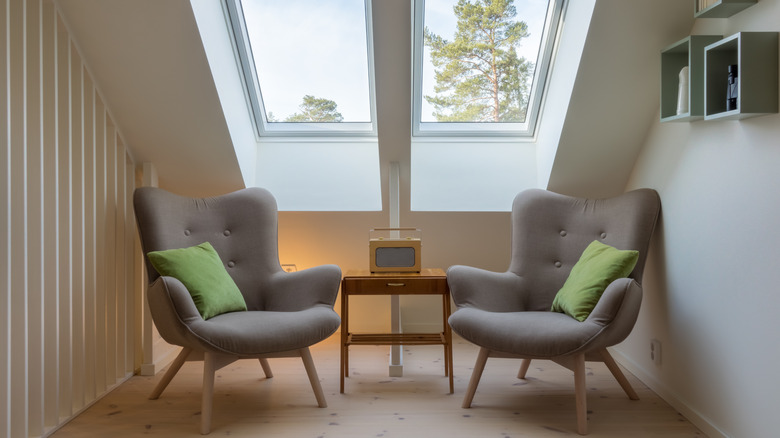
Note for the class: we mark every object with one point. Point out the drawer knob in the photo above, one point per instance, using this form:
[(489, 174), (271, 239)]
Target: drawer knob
[(396, 284)]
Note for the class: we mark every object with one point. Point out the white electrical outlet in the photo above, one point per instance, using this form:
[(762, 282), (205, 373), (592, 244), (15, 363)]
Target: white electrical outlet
[(289, 267), (655, 351)]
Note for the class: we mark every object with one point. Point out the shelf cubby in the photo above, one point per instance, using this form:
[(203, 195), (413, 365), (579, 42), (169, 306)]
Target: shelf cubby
[(756, 55), (686, 52), (721, 8)]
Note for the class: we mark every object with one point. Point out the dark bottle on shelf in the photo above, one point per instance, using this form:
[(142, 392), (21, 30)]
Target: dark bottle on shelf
[(732, 90)]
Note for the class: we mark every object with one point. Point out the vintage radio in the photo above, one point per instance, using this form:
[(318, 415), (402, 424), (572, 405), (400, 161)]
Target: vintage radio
[(394, 249)]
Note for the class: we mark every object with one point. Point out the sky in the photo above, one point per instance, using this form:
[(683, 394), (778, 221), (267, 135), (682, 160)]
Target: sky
[(318, 47), (312, 47)]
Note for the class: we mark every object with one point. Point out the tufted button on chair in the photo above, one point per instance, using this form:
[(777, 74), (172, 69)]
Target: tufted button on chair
[(287, 312), (508, 314)]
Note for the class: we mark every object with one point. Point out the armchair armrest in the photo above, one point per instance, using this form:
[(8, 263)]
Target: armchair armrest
[(172, 308), (486, 290), (293, 291), (619, 304)]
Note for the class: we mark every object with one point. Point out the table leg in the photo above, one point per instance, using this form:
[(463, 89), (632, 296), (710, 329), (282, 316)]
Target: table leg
[(448, 339), (344, 368), (444, 332)]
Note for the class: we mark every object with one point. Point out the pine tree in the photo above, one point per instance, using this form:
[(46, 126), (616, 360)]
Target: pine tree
[(315, 109), (479, 76)]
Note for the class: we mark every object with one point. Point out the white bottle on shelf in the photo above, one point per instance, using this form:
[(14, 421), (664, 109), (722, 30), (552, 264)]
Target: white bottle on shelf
[(682, 92)]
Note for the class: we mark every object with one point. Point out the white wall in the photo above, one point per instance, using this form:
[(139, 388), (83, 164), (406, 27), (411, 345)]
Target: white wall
[(480, 239), (153, 71), (712, 274), (613, 100), (219, 49), (66, 234)]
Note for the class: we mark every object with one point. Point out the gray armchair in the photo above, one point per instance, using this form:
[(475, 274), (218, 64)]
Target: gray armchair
[(508, 314), (287, 312)]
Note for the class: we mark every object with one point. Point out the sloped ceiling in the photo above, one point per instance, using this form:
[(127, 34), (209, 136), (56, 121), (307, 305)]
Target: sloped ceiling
[(148, 60), (616, 94)]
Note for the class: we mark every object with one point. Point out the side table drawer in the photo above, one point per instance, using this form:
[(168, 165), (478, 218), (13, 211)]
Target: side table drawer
[(393, 286)]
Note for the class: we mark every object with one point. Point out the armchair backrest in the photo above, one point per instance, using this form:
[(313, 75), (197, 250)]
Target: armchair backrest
[(241, 226), (550, 231)]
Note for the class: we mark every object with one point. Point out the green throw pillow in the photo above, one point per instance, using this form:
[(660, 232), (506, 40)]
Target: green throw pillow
[(598, 266), (201, 270)]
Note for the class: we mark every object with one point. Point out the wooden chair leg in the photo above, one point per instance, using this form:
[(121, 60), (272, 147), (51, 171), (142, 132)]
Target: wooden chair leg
[(479, 366), (619, 376), (580, 394), (523, 368), (308, 363), (207, 398), (266, 368), (168, 376)]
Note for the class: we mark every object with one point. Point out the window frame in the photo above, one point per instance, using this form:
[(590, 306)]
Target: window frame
[(254, 95), (527, 129)]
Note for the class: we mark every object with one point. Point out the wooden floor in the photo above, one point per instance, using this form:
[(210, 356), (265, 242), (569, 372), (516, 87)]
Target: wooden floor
[(374, 405)]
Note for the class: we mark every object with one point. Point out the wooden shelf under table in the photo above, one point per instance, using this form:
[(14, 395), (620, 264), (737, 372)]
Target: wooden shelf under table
[(396, 339)]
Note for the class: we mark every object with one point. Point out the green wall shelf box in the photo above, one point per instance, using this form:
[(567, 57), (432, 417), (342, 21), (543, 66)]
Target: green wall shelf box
[(687, 52), (756, 56), (721, 8)]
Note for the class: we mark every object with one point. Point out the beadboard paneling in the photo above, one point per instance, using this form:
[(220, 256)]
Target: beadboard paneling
[(67, 234)]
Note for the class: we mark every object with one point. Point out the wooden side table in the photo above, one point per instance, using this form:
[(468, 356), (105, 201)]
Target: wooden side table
[(426, 282)]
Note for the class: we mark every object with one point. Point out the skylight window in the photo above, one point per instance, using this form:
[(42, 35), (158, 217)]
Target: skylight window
[(308, 65), (480, 65)]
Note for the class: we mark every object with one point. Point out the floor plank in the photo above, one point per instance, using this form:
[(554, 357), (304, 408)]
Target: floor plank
[(374, 405)]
